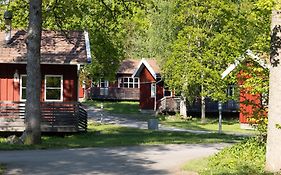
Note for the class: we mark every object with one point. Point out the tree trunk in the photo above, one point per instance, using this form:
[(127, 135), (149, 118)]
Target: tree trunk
[(273, 149), (183, 106), (33, 90), (203, 106)]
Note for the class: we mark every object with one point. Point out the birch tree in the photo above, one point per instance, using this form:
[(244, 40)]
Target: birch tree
[(273, 148)]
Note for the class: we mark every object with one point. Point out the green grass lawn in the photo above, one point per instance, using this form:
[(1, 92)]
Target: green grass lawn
[(110, 135), (116, 107), (228, 126), (245, 158)]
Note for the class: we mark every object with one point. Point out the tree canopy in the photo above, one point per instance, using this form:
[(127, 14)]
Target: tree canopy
[(211, 35)]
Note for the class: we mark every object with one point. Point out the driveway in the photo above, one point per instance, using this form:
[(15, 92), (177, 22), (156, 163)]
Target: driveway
[(137, 160)]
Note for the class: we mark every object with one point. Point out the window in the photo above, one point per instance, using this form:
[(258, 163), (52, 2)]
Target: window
[(103, 87), (128, 82), (167, 92), (53, 88), (153, 90), (103, 83), (23, 87), (231, 90)]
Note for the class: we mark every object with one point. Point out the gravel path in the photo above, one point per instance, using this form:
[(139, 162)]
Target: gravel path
[(137, 160)]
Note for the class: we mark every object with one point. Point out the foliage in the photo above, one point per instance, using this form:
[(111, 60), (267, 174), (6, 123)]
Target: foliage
[(247, 157), (211, 35), (254, 80), (211, 124), (152, 31), (112, 135), (103, 19)]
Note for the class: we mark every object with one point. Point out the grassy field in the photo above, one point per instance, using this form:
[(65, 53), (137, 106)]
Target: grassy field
[(245, 158), (228, 126), (131, 110), (109, 135), (116, 107)]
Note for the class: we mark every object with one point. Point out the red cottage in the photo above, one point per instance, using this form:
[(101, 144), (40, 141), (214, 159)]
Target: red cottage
[(123, 88), (249, 103), (61, 60), (151, 85)]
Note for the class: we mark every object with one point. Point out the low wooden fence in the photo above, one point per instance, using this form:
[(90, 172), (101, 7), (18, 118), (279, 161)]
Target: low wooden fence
[(55, 117), (169, 105)]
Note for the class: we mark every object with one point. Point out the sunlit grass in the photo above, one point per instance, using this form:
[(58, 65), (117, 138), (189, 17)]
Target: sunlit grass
[(228, 125), (112, 135), (116, 107)]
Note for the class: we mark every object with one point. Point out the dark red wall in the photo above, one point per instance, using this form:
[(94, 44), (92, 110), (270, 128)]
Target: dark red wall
[(249, 103), (146, 101), (9, 91)]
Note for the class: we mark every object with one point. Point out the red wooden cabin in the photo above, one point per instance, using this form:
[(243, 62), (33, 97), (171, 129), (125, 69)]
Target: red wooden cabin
[(151, 84), (125, 87), (61, 59)]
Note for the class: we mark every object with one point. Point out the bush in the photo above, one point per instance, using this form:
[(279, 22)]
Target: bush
[(247, 157)]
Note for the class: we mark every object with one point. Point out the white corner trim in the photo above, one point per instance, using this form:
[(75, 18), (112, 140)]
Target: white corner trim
[(88, 48)]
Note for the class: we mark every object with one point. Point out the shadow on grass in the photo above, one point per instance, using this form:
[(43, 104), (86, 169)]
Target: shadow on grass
[(109, 136)]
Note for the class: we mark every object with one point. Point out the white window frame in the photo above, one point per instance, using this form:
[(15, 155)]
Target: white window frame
[(166, 89), (153, 90), (61, 87), (231, 90), (23, 75), (105, 82), (121, 81)]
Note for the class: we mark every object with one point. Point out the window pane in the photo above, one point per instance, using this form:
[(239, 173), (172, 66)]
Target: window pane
[(53, 94), (125, 79), (125, 85), (23, 94), (131, 80), (136, 85), (131, 85), (136, 80), (53, 81), (23, 81)]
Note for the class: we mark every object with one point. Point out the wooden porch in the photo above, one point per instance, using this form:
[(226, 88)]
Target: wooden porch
[(114, 93), (56, 117)]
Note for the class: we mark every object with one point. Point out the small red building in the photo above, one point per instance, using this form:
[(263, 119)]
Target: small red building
[(124, 87), (151, 84), (249, 102), (61, 60)]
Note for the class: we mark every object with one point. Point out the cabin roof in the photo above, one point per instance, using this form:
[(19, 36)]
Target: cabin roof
[(130, 66), (56, 47), (151, 65)]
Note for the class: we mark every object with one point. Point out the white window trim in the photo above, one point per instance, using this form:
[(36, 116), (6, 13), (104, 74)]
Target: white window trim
[(167, 95), (153, 93), (128, 82), (61, 85), (23, 75), (106, 83)]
